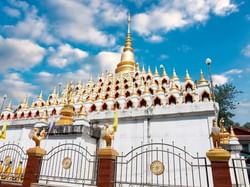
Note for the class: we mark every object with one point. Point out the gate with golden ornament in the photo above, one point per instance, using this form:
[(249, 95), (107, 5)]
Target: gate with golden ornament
[(161, 164), (69, 163), (13, 160)]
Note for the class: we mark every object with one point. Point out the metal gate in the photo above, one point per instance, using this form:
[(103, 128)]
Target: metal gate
[(13, 156), (160, 164), (69, 163)]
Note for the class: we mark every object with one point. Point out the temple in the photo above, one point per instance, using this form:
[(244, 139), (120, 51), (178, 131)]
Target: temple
[(151, 105)]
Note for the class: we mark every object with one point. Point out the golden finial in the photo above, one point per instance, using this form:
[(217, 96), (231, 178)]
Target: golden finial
[(143, 69), (164, 73), (127, 63), (54, 92), (175, 77), (232, 134), (25, 102), (9, 107), (149, 70), (40, 95), (156, 74), (187, 77), (129, 23), (202, 79)]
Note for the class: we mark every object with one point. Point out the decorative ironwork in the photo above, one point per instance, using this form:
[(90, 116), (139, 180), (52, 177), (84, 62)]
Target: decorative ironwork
[(240, 171), (157, 167), (181, 168), (79, 166), (13, 161), (66, 163)]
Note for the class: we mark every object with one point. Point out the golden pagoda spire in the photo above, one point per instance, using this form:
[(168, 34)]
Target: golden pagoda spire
[(149, 70), (143, 69), (156, 74), (40, 95), (232, 134), (187, 77), (127, 63), (202, 78), (9, 107), (164, 73), (175, 77)]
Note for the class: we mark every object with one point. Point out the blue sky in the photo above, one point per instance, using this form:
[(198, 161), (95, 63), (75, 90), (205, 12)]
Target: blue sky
[(43, 43)]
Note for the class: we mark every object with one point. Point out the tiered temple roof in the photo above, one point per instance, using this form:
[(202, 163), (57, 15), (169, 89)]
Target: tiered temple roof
[(128, 88)]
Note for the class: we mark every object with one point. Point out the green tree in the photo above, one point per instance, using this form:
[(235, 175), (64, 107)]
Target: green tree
[(225, 96), (247, 125)]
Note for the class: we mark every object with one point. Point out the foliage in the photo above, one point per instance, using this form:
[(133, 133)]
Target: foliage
[(247, 125), (225, 96)]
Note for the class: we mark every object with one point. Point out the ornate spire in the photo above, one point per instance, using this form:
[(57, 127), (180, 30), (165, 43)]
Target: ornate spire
[(156, 74), (143, 69), (187, 77), (149, 70), (164, 73), (9, 107), (127, 63), (175, 77), (202, 79), (41, 95)]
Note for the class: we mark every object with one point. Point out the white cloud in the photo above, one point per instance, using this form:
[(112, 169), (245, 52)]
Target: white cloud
[(223, 7), (243, 111), (19, 4), (246, 51), (19, 54), (108, 60), (219, 79), (66, 55), (248, 17), (233, 72), (17, 87), (110, 13), (155, 39), (81, 21), (11, 11), (176, 14), (32, 27), (226, 76), (45, 77)]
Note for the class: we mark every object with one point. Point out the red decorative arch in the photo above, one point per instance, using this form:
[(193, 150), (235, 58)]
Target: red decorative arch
[(172, 100), (104, 107), (129, 104), (143, 103), (188, 86), (92, 108), (37, 114), (127, 94), (8, 116), (53, 112), (189, 98), (22, 115), (15, 116), (157, 101), (204, 96), (29, 114)]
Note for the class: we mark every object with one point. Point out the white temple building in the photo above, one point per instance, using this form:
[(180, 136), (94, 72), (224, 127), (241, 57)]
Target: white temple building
[(152, 106)]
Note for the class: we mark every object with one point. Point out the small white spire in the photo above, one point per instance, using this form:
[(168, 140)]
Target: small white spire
[(129, 23)]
